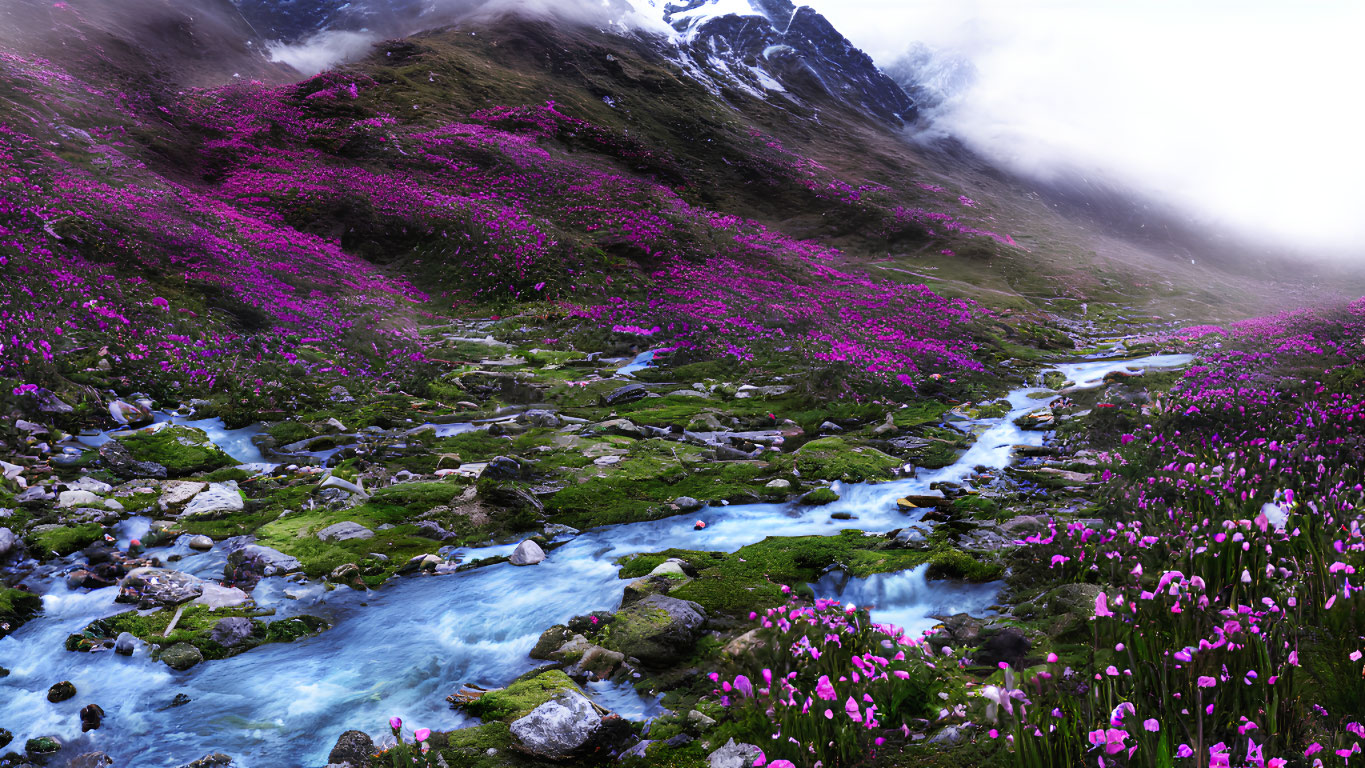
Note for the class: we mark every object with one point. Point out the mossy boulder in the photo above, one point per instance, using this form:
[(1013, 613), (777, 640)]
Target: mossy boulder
[(521, 697), (17, 607), (834, 458), (62, 540), (181, 656), (181, 450), (820, 497), (657, 630)]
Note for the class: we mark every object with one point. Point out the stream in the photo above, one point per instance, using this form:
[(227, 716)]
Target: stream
[(402, 649)]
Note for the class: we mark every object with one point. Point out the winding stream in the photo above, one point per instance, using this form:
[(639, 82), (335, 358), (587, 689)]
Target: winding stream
[(402, 649)]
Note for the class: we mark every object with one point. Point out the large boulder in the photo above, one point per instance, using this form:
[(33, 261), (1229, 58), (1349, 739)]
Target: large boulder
[(354, 748), (232, 631), (560, 728), (119, 461), (249, 563), (8, 543), (627, 394), (181, 656), (61, 692), (345, 531), (152, 587), (176, 493), (216, 500), (734, 755), (527, 553), (68, 499), (658, 629)]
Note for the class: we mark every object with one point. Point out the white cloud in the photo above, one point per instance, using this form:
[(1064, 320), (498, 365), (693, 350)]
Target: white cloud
[(1246, 113)]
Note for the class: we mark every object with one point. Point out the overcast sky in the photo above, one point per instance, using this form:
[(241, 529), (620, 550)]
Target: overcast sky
[(1251, 112)]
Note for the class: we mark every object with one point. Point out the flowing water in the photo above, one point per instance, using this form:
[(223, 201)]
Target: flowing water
[(402, 649)]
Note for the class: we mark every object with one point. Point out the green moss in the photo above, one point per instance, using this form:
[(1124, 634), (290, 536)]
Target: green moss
[(948, 563), (195, 627), (64, 541), (820, 497), (17, 607), (469, 747), (919, 413), (286, 432), (976, 506), (519, 698), (181, 450), (834, 458), (641, 487)]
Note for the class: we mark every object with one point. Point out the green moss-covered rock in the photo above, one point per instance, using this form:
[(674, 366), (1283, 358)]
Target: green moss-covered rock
[(518, 699), (820, 497), (834, 458), (181, 656), (17, 607), (181, 450), (656, 630), (63, 540), (196, 628)]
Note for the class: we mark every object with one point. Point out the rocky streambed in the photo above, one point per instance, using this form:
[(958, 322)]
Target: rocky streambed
[(402, 649)]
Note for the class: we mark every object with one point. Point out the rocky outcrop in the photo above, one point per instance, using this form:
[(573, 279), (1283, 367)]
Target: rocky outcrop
[(353, 748), (657, 630), (559, 729), (153, 587), (527, 553)]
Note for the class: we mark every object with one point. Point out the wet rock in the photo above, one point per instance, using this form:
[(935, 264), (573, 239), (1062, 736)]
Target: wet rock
[(734, 755), (61, 692), (353, 747), (121, 463), (420, 563), (249, 564), (232, 631), (92, 716), (128, 414), (218, 596), (658, 629), (217, 499), (5, 738), (670, 567), (345, 531), (181, 656), (841, 516), (201, 543), (687, 504), (68, 499), (42, 746), (596, 663), (540, 418), (215, 760), (34, 497), (551, 640), (177, 493), (150, 587), (125, 644), (344, 573), (558, 729), (912, 538), (527, 553), (922, 500), (1008, 645), (628, 394), (91, 760), (8, 544), (502, 468)]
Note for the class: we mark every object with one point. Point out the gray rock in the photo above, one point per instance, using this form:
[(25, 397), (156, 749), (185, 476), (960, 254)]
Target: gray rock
[(687, 503), (126, 644), (232, 631), (149, 587), (345, 531), (248, 564), (734, 755), (559, 728), (120, 462), (177, 492), (217, 499), (779, 485), (129, 414), (540, 418), (91, 760), (627, 394), (658, 629), (215, 760), (699, 721), (950, 735), (35, 496), (354, 748), (90, 484), (527, 553), (502, 468), (8, 543), (201, 543), (218, 596), (181, 656), (68, 499)]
